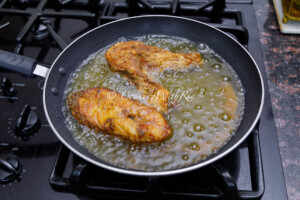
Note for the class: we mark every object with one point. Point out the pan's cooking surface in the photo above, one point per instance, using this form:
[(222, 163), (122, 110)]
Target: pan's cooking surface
[(199, 118)]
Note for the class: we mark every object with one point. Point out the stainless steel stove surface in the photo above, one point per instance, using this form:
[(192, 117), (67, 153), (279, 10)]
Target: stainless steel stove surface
[(35, 165)]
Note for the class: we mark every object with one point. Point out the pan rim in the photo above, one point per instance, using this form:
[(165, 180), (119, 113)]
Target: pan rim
[(156, 173)]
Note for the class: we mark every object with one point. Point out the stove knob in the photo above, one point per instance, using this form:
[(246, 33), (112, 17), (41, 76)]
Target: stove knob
[(8, 88), (28, 122), (10, 168)]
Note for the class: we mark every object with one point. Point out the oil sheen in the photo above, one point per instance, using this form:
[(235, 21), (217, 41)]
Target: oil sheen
[(200, 122)]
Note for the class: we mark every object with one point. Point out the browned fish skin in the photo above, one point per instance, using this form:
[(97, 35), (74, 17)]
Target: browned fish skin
[(135, 60), (105, 110)]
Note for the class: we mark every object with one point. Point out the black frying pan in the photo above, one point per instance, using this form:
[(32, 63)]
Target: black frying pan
[(102, 36)]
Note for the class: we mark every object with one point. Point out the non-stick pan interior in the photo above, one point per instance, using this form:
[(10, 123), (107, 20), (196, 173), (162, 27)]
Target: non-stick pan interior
[(103, 36)]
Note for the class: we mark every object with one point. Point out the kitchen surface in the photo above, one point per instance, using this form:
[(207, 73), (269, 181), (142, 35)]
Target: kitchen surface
[(282, 62), (42, 168)]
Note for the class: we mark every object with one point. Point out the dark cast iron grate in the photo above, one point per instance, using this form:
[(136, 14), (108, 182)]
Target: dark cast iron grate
[(101, 12), (212, 182)]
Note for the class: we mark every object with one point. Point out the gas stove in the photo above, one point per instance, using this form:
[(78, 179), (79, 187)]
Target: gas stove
[(35, 165)]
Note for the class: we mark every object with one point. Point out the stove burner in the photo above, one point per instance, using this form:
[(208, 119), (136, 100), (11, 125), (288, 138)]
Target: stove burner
[(39, 13), (40, 32)]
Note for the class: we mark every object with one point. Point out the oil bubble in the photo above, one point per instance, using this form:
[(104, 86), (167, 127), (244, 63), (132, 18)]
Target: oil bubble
[(198, 107), (225, 117), (194, 146), (202, 46), (189, 134), (185, 121), (185, 157), (186, 112), (198, 128), (225, 79), (200, 137), (217, 67), (205, 60), (241, 90), (213, 126), (173, 154)]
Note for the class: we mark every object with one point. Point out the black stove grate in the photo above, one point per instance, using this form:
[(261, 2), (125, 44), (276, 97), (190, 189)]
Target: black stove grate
[(212, 182), (38, 16), (40, 20), (212, 12)]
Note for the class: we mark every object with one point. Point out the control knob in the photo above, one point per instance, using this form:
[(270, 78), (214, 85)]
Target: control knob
[(8, 88), (10, 168), (27, 123)]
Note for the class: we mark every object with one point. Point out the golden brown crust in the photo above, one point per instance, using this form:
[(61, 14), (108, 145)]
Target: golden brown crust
[(105, 110), (136, 61)]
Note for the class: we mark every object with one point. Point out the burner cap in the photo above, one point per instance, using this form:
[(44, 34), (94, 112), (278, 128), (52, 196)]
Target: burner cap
[(40, 32)]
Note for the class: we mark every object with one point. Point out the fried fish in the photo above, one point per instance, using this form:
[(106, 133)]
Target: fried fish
[(105, 110), (138, 62)]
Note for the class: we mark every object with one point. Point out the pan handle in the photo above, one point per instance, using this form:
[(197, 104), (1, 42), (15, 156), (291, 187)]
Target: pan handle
[(22, 65)]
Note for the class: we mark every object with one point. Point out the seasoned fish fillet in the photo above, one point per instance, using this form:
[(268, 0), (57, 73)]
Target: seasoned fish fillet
[(105, 110), (138, 62)]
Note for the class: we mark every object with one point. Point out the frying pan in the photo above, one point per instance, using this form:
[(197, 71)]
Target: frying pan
[(102, 36)]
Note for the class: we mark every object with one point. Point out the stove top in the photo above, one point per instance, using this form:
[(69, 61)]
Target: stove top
[(42, 168)]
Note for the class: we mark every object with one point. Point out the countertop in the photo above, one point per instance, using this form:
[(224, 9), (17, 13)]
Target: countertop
[(281, 53)]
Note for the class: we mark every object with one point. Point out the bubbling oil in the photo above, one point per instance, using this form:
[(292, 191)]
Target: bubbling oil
[(198, 116)]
